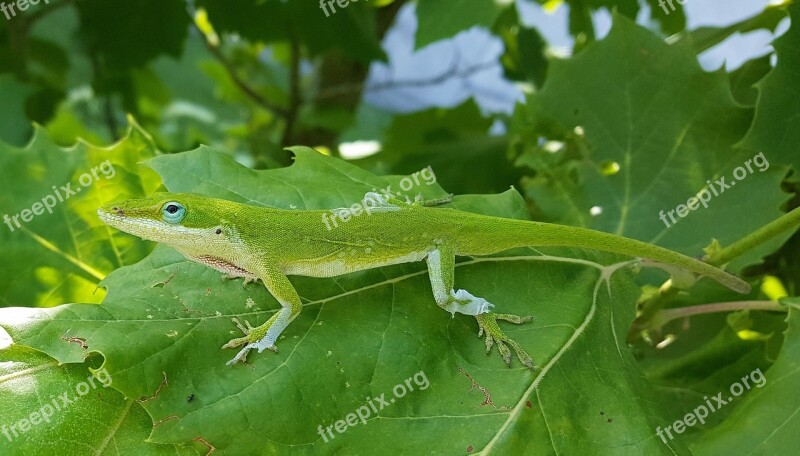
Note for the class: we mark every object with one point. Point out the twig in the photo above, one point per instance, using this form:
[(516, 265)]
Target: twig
[(108, 114), (452, 72), (237, 80), (659, 318), (107, 104), (667, 315), (18, 30), (294, 93)]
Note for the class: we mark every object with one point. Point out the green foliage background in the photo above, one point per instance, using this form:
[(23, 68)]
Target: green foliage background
[(215, 96)]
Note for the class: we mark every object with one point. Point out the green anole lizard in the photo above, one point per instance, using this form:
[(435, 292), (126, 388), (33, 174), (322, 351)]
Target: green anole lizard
[(270, 244)]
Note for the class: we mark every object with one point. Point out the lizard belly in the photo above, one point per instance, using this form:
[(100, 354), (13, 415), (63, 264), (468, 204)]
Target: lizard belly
[(343, 265)]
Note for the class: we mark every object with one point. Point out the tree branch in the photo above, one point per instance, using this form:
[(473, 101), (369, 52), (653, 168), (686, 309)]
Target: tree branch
[(107, 103), (237, 80), (450, 73), (667, 315), (294, 93), (662, 317)]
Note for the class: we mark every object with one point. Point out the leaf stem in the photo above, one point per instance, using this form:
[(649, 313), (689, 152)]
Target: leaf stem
[(756, 238), (667, 315), (661, 317)]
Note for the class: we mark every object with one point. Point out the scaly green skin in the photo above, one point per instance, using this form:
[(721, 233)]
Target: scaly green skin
[(269, 244)]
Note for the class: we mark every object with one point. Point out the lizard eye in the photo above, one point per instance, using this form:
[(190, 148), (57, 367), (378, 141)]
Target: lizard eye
[(173, 212)]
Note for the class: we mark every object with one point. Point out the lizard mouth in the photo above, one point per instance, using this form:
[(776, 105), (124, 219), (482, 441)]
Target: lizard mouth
[(109, 217), (114, 217)]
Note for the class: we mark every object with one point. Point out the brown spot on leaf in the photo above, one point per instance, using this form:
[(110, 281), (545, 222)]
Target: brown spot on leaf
[(164, 283), (486, 393), (77, 340), (158, 390), (210, 447)]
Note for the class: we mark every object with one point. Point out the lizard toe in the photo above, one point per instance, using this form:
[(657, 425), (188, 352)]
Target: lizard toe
[(487, 324)]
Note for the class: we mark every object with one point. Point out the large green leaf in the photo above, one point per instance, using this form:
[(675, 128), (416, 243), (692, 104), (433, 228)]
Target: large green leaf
[(61, 254), (775, 128), (769, 414), (49, 408), (645, 130), (359, 336), (441, 20)]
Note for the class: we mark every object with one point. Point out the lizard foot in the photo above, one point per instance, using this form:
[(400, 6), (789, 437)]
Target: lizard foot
[(253, 338), (487, 322)]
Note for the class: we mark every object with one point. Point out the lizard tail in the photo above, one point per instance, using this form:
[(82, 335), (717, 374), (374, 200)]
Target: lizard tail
[(538, 234)]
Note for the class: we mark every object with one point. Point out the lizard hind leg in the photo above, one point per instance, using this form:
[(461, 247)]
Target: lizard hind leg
[(441, 270)]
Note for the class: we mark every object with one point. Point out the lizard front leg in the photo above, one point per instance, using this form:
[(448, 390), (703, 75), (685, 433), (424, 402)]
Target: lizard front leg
[(441, 270), (263, 337)]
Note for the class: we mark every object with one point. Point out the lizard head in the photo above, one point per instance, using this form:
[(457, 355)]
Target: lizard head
[(186, 221)]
